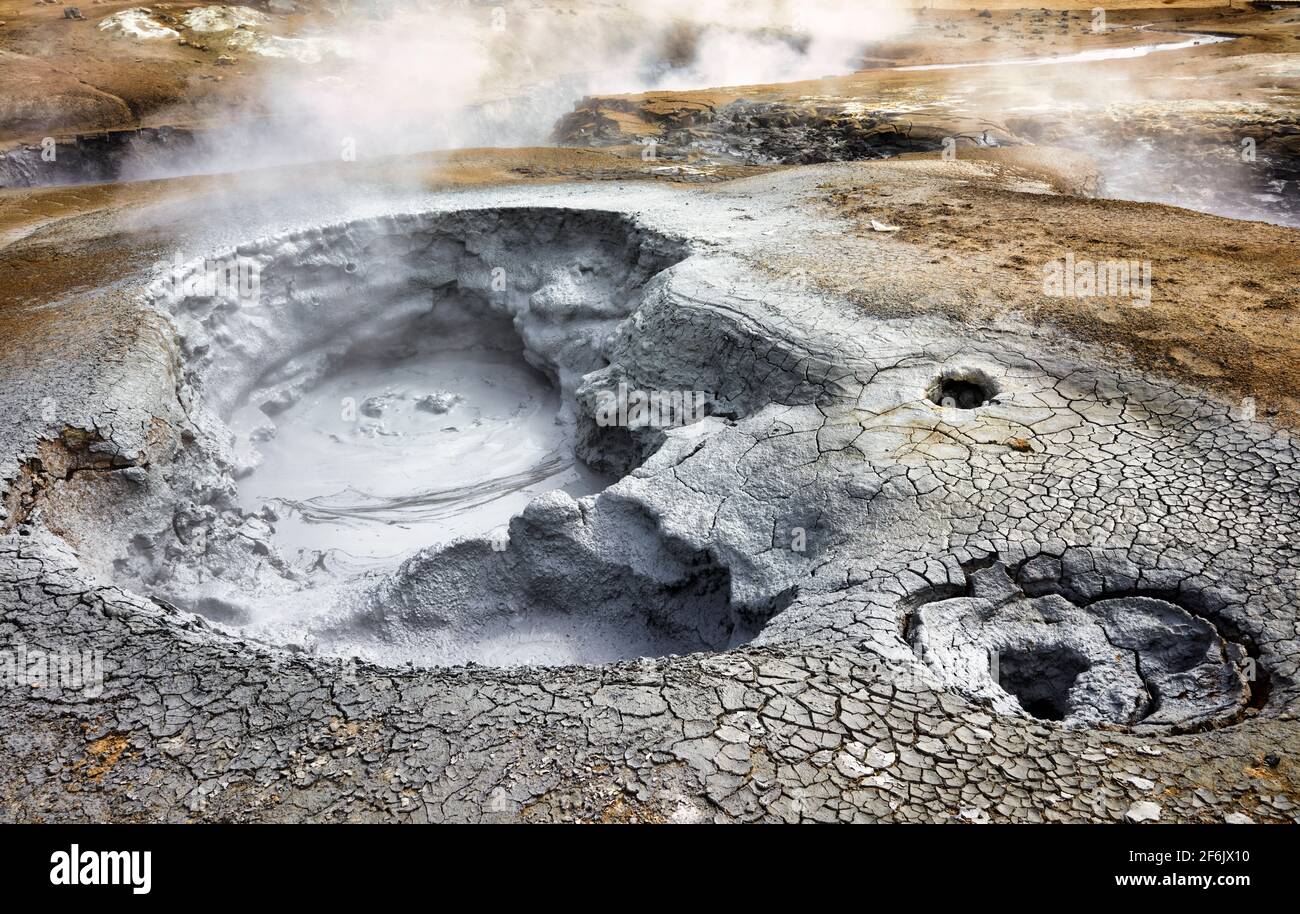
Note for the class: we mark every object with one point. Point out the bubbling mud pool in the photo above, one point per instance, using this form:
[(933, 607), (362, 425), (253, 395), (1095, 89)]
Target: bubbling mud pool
[(385, 458)]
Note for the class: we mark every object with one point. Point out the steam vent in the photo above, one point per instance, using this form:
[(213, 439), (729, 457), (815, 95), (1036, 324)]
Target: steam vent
[(515, 421)]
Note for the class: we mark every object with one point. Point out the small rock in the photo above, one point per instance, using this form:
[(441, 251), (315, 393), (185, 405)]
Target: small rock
[(136, 475), (375, 407), (879, 758), (1145, 811), (850, 767), (1238, 818), (1138, 782), (1020, 444), (438, 403)]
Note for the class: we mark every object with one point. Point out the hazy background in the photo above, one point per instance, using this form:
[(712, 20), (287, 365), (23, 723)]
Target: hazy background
[(402, 77)]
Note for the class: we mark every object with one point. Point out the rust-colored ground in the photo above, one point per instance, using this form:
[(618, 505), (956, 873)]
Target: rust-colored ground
[(1260, 68), (1225, 309), (46, 254)]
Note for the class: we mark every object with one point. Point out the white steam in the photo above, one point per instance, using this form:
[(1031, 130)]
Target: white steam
[(433, 75)]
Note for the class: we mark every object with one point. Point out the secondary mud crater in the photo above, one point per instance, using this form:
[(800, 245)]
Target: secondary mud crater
[(963, 388), (1034, 643), (1041, 679)]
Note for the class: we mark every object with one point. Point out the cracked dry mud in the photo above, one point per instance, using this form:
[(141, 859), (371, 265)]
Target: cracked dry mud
[(874, 474)]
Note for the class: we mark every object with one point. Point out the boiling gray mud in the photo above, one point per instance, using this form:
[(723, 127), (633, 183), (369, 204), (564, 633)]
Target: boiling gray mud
[(384, 458)]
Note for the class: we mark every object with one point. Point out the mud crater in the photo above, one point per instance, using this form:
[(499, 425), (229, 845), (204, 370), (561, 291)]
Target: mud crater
[(393, 459), (963, 388), (1032, 640)]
